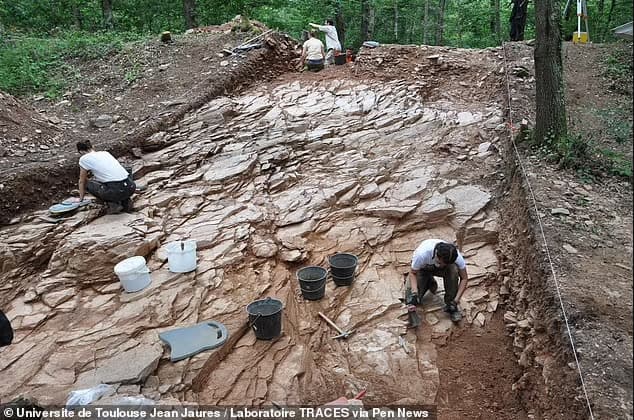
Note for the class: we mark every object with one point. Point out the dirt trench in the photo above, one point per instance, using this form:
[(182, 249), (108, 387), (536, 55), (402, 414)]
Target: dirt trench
[(282, 176)]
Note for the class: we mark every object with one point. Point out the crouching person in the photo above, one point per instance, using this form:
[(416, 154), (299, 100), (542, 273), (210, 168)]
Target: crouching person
[(110, 181), (313, 55)]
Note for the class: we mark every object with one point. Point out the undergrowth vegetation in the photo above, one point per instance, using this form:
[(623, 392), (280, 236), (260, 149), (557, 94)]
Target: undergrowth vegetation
[(617, 68), (583, 155), (41, 65)]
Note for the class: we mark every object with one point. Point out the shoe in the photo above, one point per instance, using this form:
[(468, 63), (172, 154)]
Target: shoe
[(127, 206), (455, 316), (454, 313), (433, 287), (113, 208)]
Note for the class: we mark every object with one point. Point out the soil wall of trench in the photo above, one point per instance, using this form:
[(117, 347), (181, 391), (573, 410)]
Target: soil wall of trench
[(550, 386)]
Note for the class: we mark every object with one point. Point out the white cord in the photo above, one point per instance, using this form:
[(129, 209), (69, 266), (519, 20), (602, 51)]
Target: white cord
[(541, 228)]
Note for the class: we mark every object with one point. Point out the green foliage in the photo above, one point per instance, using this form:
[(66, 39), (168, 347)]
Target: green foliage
[(30, 65), (616, 163), (618, 126), (600, 19), (618, 69), (581, 155)]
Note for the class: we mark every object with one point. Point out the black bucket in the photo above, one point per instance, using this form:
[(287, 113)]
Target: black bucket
[(340, 59), (342, 281), (265, 317), (342, 265), (312, 282)]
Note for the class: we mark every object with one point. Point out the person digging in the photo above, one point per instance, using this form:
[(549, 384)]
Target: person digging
[(110, 183), (435, 257)]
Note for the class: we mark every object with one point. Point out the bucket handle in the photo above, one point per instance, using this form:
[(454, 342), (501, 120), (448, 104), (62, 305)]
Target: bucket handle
[(252, 323)]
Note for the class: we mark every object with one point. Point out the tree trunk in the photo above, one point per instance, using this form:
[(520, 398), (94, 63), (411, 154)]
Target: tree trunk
[(440, 30), (492, 16), (396, 21), (106, 9), (340, 22), (189, 12), (371, 23), (518, 20), (79, 18), (550, 118), (498, 23), (426, 23), (365, 20)]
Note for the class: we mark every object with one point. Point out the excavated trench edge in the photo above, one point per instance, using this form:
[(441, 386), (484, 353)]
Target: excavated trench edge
[(32, 184), (549, 386)]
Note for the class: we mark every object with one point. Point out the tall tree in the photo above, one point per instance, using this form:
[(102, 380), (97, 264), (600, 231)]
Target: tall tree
[(494, 23), (395, 20), (518, 19), (366, 20), (340, 23), (106, 10), (550, 118), (189, 12), (440, 29), (426, 23)]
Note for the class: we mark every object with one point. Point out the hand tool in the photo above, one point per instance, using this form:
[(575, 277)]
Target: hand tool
[(342, 333)]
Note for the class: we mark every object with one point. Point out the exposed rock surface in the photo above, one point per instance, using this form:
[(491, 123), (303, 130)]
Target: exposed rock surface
[(280, 175)]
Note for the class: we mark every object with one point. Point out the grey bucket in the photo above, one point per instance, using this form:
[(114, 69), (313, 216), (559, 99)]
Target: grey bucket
[(265, 318), (343, 266), (312, 282)]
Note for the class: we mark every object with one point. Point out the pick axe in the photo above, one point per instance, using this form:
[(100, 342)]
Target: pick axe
[(342, 333)]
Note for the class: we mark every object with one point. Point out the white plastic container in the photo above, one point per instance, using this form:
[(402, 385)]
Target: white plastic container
[(133, 274), (181, 256)]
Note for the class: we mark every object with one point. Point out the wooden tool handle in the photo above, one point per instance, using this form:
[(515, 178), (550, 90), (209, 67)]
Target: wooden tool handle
[(332, 324)]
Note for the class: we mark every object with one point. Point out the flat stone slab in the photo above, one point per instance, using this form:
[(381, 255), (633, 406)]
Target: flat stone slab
[(188, 341), (128, 367), (229, 167)]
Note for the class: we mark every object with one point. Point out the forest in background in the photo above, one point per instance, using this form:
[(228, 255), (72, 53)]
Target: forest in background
[(459, 23), (37, 37)]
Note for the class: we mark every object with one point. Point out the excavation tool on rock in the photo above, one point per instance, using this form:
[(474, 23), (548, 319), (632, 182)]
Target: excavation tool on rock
[(412, 316), (342, 333)]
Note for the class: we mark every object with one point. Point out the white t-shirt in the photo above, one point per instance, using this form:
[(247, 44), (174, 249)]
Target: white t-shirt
[(424, 255), (332, 39), (104, 166), (313, 48)]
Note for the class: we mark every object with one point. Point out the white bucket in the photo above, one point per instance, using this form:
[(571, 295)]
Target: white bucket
[(181, 256), (133, 274)]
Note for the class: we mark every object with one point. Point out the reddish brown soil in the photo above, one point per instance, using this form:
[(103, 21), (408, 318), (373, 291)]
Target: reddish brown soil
[(477, 371)]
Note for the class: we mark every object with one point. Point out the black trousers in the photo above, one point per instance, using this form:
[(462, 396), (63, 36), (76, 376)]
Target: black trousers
[(451, 280), (113, 192)]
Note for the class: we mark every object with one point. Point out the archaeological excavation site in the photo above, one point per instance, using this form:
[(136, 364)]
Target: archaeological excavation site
[(259, 171)]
